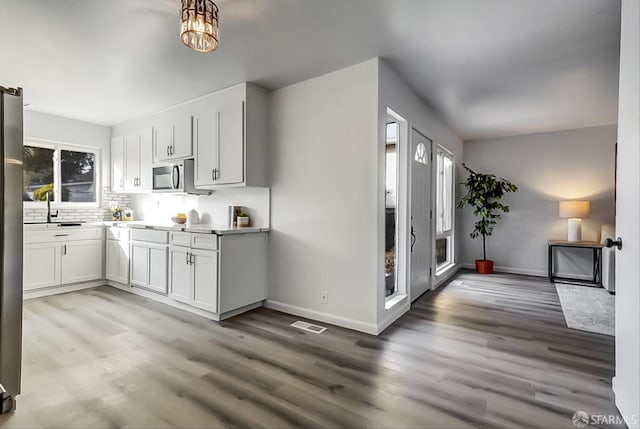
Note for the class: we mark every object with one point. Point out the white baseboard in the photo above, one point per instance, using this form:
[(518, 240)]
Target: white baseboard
[(55, 290), (356, 325), (510, 270), (528, 272)]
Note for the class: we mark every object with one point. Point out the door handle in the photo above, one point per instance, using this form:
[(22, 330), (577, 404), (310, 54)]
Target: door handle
[(167, 150), (617, 242), (413, 235), (188, 259), (64, 249)]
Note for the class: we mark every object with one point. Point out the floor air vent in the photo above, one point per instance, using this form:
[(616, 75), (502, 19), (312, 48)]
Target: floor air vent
[(316, 329)]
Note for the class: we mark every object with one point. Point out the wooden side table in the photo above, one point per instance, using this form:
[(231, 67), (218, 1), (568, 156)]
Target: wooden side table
[(597, 261)]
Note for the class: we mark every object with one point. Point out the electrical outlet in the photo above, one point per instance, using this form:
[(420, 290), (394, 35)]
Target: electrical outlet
[(324, 297)]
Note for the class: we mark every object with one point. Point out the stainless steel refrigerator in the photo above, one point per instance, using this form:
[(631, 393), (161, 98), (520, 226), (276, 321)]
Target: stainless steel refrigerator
[(10, 246)]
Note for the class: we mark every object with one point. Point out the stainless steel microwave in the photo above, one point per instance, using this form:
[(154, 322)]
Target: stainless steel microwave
[(176, 179)]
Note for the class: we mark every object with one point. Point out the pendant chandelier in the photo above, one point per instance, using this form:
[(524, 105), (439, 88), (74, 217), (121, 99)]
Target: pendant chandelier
[(199, 25)]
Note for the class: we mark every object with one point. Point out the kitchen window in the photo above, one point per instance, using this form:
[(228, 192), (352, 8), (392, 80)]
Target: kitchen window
[(69, 174), (444, 210)]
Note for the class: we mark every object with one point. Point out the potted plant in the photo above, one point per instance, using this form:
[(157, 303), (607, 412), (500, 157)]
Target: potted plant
[(243, 220), (484, 192)]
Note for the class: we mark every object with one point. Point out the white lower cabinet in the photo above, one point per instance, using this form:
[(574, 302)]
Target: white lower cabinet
[(193, 272), (148, 260), (157, 267), (204, 276), (117, 261), (42, 265), (81, 261), (179, 274), (54, 258)]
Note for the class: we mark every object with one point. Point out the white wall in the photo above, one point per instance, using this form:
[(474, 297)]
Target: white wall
[(327, 146), (213, 209), (626, 383), (395, 94), (323, 170), (547, 167), (44, 126)]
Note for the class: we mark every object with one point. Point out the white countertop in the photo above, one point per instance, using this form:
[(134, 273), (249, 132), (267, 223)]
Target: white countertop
[(201, 228)]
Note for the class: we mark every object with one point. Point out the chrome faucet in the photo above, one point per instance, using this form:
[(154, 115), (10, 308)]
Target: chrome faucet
[(49, 215)]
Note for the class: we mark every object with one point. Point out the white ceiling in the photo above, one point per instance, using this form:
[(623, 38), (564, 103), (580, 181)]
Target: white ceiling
[(488, 67)]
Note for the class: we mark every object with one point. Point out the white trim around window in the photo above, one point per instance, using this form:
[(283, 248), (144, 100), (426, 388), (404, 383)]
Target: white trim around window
[(444, 205), (58, 147)]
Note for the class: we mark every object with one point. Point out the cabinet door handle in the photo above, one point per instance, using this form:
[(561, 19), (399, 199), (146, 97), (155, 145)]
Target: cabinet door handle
[(192, 259), (188, 259), (61, 235), (64, 249), (213, 174), (217, 174)]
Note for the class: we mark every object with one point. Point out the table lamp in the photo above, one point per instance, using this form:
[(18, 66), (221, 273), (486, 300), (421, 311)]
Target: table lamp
[(574, 211)]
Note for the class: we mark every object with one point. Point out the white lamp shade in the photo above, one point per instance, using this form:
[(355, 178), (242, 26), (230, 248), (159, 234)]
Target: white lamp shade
[(574, 209)]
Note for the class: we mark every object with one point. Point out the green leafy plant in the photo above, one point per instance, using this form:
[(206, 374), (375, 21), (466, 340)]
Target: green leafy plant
[(40, 194), (484, 192)]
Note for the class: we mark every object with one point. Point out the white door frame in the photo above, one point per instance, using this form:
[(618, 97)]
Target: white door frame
[(626, 383)]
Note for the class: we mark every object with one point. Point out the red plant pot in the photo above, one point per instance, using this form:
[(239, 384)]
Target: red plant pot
[(484, 266)]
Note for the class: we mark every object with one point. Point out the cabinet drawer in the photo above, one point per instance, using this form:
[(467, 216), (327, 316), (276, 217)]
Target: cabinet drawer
[(180, 239), (150, 236), (62, 234), (204, 241), (115, 233)]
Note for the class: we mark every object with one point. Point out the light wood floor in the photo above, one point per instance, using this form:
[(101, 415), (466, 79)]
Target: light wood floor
[(485, 351)]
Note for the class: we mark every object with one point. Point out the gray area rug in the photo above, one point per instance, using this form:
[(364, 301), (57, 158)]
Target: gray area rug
[(587, 308)]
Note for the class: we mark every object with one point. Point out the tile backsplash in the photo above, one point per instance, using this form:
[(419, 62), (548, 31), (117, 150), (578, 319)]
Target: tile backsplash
[(91, 214)]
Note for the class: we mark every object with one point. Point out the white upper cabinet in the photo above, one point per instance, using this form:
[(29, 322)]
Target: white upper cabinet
[(172, 135), (131, 161), (219, 142), (225, 132), (229, 138), (117, 163), (205, 137), (145, 177)]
